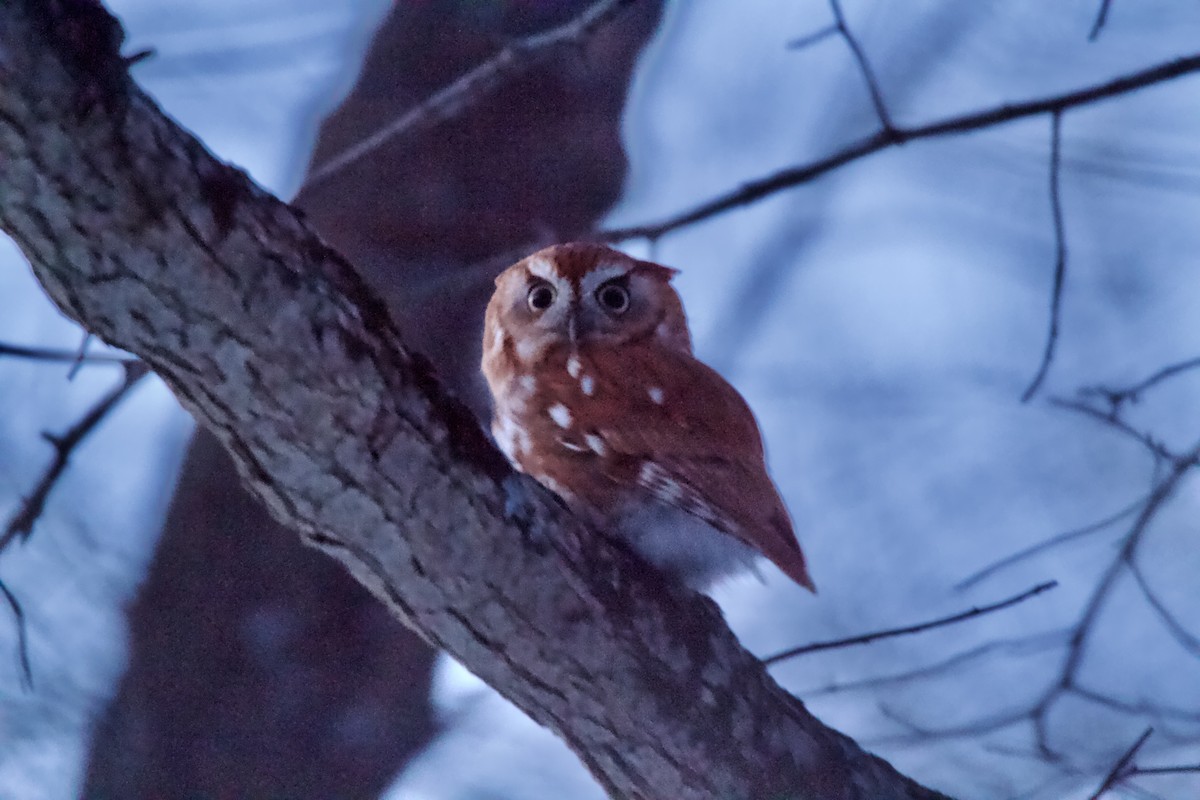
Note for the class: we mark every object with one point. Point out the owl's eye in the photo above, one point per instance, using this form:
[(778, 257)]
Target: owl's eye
[(613, 297), (541, 296)]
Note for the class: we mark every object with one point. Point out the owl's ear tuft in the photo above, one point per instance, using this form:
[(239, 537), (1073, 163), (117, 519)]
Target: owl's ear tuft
[(657, 271)]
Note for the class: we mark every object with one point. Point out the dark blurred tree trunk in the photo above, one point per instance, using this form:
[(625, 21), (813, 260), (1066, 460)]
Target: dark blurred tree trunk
[(239, 683)]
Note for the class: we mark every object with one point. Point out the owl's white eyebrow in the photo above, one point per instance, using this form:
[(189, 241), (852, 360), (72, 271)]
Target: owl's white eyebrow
[(601, 275), (541, 268)]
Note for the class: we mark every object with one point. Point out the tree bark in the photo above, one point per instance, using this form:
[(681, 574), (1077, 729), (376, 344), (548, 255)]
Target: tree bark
[(271, 672), (272, 341)]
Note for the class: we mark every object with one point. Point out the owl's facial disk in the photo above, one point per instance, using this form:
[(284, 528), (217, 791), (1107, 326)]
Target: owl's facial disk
[(609, 304)]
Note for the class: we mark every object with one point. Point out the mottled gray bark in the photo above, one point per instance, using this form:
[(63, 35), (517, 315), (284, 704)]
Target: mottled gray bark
[(272, 341)]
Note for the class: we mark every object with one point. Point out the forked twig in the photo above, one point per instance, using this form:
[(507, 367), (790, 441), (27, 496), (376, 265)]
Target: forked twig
[(22, 522), (1118, 771)]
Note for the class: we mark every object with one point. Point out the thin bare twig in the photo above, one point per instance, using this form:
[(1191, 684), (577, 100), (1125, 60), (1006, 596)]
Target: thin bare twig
[(1060, 257), (1101, 19), (812, 38), (1182, 769), (1113, 420), (1117, 773), (513, 59), (22, 636), (1131, 394), (67, 356), (1061, 538), (80, 355), (1180, 634), (22, 522), (883, 139), (908, 629), (885, 120)]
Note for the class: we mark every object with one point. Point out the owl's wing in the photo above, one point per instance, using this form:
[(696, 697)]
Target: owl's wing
[(689, 439)]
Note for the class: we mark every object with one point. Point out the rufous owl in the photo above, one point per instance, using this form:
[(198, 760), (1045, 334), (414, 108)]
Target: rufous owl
[(599, 398)]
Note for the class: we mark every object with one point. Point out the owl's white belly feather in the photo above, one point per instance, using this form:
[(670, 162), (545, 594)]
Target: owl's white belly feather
[(682, 545)]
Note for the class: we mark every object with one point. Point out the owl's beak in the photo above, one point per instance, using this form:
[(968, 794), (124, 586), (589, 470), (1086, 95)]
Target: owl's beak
[(572, 329)]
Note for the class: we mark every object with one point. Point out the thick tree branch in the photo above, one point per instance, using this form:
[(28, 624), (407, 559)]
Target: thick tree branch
[(272, 340)]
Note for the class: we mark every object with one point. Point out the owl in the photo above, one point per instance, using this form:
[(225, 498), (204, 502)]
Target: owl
[(599, 398)]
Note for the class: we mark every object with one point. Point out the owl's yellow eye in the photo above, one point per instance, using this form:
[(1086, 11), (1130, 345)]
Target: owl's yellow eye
[(613, 297), (540, 297)]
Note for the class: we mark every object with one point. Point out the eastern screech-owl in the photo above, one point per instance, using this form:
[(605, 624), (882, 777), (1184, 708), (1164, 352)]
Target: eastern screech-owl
[(599, 398)]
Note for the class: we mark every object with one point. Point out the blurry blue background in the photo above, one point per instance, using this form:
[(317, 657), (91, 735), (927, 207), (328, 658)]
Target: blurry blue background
[(882, 321)]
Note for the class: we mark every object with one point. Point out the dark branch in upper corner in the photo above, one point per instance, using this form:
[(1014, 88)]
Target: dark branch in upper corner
[(1101, 19), (1119, 770), (918, 628), (22, 522), (883, 139), (1060, 257), (469, 89)]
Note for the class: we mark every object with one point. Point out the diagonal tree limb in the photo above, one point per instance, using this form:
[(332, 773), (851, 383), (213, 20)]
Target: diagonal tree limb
[(884, 139), (272, 341)]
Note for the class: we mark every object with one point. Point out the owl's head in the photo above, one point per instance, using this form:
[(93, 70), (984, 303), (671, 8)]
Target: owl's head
[(582, 294)]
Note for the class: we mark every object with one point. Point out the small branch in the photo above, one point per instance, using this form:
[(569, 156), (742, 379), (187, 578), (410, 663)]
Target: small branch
[(1182, 635), (22, 637), (1131, 394), (885, 120), (1183, 769), (67, 356), (918, 628), (812, 38), (1112, 420), (21, 524), (1101, 19), (1054, 541), (468, 90), (80, 355), (1060, 257), (882, 140), (1119, 769), (1163, 492)]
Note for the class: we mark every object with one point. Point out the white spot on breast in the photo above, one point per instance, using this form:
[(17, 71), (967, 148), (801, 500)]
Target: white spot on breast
[(560, 414), (527, 383), (656, 395), (573, 366), (527, 348), (596, 443), (588, 384), (574, 448)]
